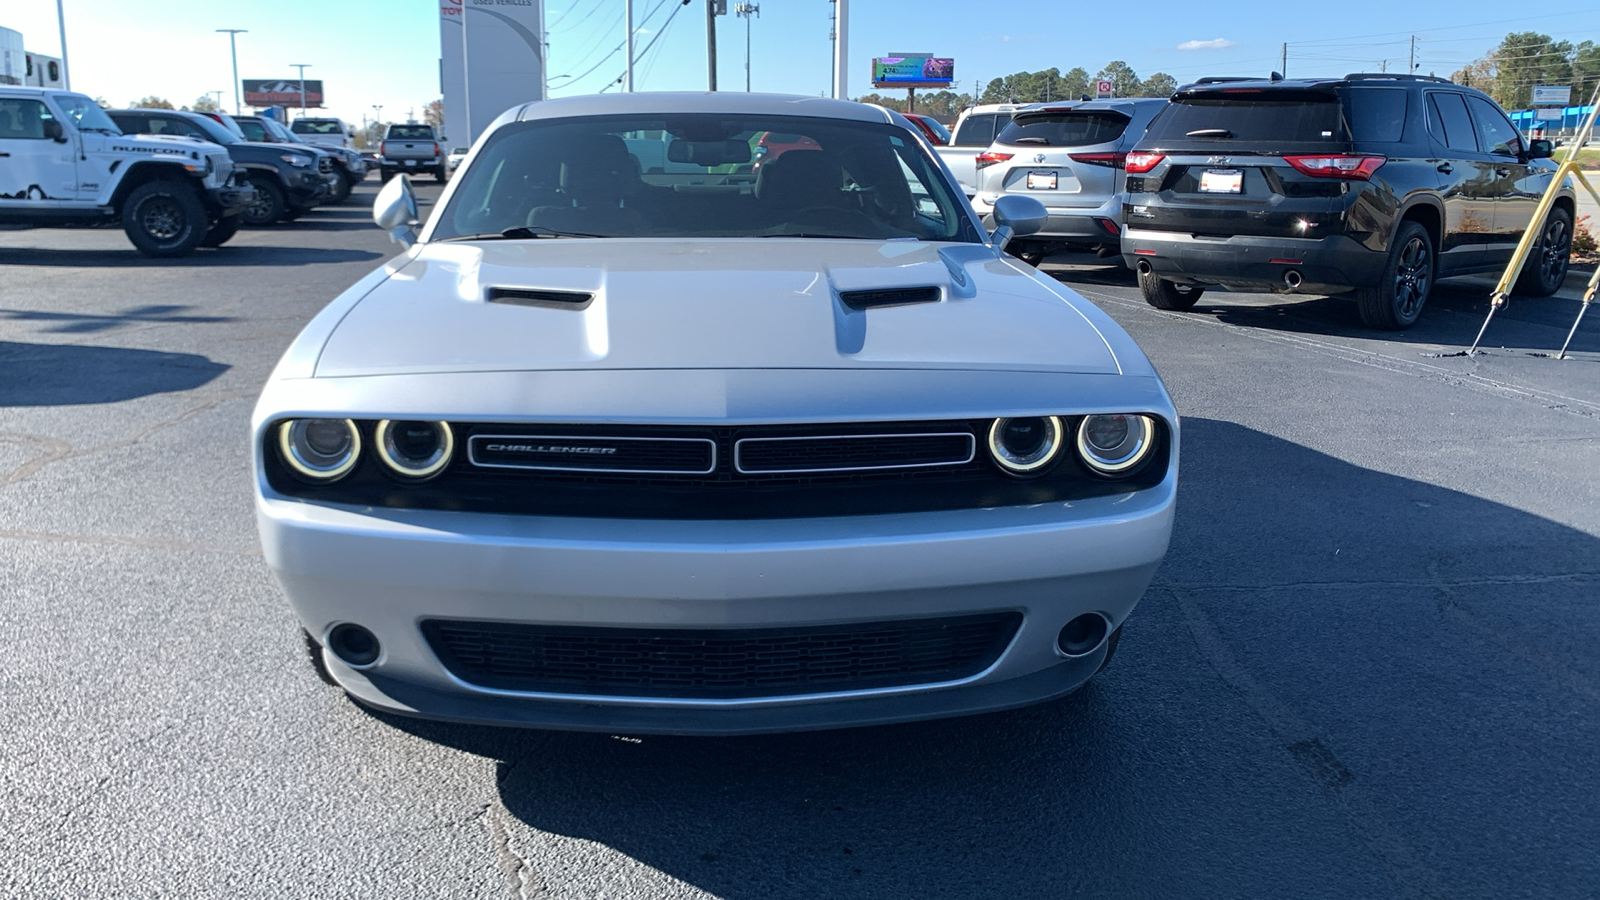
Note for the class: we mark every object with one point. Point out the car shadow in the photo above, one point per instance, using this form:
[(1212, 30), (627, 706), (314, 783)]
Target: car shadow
[(1341, 677), (72, 374), (85, 323), (228, 256)]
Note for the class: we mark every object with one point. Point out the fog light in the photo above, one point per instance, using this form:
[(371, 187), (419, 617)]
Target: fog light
[(1025, 446), (355, 645), (1082, 635), (319, 449)]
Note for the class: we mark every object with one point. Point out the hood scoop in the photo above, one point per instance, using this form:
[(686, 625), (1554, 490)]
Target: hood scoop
[(539, 297), (889, 297)]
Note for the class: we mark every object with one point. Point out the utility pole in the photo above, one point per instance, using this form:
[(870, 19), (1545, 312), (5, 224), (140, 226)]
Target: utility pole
[(233, 45), (627, 19), (1283, 63), (61, 22), (748, 10), (302, 67), (833, 41), (1413, 67), (711, 40), (841, 53)]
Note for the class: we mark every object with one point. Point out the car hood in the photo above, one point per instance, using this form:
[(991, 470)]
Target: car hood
[(712, 304)]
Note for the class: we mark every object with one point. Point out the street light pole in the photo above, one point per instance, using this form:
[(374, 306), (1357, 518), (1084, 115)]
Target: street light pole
[(232, 33), (302, 67), (711, 40), (841, 53), (61, 22), (627, 15), (217, 99)]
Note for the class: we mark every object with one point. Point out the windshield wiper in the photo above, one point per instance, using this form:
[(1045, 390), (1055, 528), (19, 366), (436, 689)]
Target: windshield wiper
[(1210, 132), (521, 233), (817, 234)]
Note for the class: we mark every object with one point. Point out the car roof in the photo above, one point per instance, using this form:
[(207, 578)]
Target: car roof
[(1122, 104), (735, 102)]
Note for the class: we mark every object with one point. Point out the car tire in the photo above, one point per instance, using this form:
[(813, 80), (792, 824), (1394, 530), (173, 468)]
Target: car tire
[(1546, 268), (1033, 256), (1169, 295), (441, 175), (340, 191), (318, 663), (165, 218), (1395, 302), (269, 204), (290, 213), (222, 232)]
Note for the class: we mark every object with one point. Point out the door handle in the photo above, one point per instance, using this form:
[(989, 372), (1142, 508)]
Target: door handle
[(1446, 168)]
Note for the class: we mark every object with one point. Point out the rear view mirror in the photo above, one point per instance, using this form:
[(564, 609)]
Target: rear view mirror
[(1540, 149), (52, 130), (395, 210), (709, 153)]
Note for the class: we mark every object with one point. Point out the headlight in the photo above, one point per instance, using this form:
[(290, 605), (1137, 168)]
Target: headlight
[(1115, 445), (296, 160), (1025, 446), (415, 449), (320, 449)]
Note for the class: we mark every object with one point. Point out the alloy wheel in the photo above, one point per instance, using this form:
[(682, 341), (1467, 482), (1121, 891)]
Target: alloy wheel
[(1555, 251), (162, 218), (1412, 277)]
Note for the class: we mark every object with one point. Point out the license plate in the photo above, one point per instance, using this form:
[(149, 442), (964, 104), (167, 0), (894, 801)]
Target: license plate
[(1222, 181), (412, 162), (1041, 181)]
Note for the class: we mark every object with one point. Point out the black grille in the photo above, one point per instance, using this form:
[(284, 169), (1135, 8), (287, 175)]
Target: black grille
[(572, 453), (325, 165), (852, 452), (719, 663)]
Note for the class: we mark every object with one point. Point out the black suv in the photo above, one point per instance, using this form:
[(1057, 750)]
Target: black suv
[(286, 179), (1372, 185)]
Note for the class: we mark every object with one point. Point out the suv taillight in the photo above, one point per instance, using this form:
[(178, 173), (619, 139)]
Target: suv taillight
[(1114, 160), (1140, 163), (1350, 168), (988, 158)]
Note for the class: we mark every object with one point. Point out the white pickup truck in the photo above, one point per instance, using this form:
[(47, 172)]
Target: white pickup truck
[(974, 131), (63, 162), (412, 148)]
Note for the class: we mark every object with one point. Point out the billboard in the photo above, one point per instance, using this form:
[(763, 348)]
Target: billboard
[(913, 71), (1548, 95), (281, 92)]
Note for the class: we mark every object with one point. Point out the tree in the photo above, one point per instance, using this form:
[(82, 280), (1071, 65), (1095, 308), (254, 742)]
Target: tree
[(1158, 85), (206, 104), (1076, 83), (433, 113), (1527, 58), (1479, 74), (1585, 71), (151, 102), (1124, 80)]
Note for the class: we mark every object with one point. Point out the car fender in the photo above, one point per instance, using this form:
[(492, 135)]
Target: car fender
[(141, 171)]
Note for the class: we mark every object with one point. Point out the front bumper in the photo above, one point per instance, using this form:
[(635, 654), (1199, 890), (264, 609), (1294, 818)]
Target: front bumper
[(1329, 265), (230, 199), (388, 570), (307, 188)]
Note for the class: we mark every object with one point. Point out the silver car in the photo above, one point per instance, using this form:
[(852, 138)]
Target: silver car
[(708, 451), (1068, 156)]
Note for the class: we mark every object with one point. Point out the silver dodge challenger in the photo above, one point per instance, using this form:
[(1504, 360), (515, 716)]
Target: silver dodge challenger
[(646, 431)]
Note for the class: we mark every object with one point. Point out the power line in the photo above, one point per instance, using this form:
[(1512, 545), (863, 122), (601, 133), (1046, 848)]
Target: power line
[(618, 49), (1356, 37)]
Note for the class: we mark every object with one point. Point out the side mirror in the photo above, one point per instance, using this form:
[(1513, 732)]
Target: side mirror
[(395, 210), (1540, 149), (1015, 216), (53, 131)]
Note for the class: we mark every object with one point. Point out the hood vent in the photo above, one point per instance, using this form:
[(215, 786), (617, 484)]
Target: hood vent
[(536, 297), (889, 297)]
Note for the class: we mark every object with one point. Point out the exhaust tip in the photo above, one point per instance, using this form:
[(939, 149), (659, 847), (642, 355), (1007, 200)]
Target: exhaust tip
[(1143, 267), (1083, 635), (354, 645), (1292, 279)]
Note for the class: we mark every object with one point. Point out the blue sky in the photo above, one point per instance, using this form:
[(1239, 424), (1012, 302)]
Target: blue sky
[(387, 52)]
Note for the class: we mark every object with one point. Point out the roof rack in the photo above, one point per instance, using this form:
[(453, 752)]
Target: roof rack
[(1219, 79), (1390, 76)]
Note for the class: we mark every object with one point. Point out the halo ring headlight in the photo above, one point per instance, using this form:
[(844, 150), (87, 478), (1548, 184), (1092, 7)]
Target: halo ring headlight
[(414, 449), (1115, 444), (1026, 446), (320, 449)]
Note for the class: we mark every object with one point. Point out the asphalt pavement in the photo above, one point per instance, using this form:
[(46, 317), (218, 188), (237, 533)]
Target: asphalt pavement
[(1367, 668)]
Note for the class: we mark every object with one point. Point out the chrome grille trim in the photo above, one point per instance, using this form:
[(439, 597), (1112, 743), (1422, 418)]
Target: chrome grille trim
[(475, 440), (738, 446)]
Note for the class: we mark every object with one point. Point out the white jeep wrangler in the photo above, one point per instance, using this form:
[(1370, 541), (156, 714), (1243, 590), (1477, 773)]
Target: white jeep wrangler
[(63, 162)]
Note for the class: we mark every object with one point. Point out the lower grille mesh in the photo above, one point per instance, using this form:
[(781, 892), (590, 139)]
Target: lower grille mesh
[(715, 663)]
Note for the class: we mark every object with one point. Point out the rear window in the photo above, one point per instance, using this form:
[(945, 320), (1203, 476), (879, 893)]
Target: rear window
[(410, 132), (979, 130), (1250, 115), (1073, 129), (1376, 114), (316, 126)]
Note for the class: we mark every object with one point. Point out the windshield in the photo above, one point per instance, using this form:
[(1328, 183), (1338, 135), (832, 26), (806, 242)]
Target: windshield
[(699, 175), (253, 130), (317, 126), (85, 113), (410, 132), (935, 126), (280, 133), (214, 130), (1066, 129)]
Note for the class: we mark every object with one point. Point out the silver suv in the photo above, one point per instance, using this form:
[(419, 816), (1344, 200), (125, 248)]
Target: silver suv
[(1068, 156)]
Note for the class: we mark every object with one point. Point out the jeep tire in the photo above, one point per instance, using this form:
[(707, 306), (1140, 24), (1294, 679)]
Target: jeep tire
[(165, 218), (222, 232), (1168, 295), (269, 203)]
